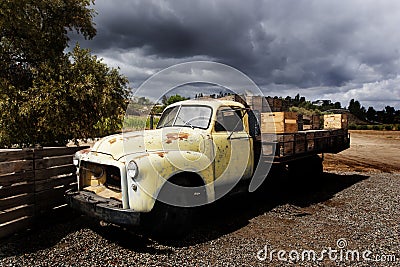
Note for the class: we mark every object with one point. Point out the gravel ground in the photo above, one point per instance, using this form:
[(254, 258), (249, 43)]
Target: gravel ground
[(361, 210)]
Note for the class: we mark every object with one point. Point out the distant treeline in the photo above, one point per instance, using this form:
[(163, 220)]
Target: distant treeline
[(388, 115)]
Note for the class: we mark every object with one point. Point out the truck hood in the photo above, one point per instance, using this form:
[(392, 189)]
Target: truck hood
[(165, 139)]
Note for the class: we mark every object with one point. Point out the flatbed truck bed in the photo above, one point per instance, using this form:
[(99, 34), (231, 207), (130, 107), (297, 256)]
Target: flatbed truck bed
[(279, 148)]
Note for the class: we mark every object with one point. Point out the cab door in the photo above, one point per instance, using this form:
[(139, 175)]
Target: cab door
[(232, 147)]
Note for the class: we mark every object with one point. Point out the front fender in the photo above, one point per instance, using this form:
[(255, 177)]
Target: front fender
[(156, 168)]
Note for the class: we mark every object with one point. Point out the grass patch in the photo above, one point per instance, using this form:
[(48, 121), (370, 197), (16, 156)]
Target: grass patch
[(136, 123)]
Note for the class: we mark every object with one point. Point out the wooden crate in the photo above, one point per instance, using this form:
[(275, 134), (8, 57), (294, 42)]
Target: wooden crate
[(300, 143), (310, 122), (335, 121), (285, 141), (236, 98), (270, 102), (310, 140), (322, 139), (279, 122), (300, 122), (338, 137), (277, 104), (315, 122), (258, 103)]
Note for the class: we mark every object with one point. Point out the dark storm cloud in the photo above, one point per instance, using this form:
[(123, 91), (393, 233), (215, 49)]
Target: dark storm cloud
[(339, 45)]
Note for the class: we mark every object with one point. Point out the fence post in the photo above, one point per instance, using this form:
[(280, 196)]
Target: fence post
[(36, 156)]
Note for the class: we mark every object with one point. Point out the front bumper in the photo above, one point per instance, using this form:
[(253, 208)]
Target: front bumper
[(108, 210)]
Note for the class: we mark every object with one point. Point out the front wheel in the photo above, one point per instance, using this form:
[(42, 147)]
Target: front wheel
[(168, 221), (173, 221)]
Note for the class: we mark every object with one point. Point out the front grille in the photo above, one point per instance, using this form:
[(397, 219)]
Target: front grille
[(113, 178), (109, 176)]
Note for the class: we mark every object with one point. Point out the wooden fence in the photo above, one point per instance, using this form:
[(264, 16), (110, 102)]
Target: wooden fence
[(33, 182)]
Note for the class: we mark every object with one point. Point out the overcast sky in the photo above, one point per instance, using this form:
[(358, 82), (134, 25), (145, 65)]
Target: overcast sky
[(334, 50)]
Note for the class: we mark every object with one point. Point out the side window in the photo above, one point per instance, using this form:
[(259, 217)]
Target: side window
[(229, 119)]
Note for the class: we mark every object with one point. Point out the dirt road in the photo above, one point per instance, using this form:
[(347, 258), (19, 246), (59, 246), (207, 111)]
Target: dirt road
[(370, 151)]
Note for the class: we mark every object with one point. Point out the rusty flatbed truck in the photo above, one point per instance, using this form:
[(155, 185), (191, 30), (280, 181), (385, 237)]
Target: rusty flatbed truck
[(206, 147)]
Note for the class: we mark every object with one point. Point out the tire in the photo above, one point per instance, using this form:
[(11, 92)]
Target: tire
[(168, 221), (306, 169)]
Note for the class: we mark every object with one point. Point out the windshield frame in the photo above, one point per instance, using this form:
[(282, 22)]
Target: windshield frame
[(188, 124)]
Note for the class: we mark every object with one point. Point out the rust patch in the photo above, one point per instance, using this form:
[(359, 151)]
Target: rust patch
[(161, 154), (132, 136), (175, 136), (112, 141), (85, 151)]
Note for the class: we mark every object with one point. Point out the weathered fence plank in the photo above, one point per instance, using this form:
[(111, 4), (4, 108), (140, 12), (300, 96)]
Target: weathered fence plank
[(15, 201), (54, 182), (8, 191), (9, 179), (44, 174), (58, 151), (16, 213), (15, 154), (16, 166), (53, 161)]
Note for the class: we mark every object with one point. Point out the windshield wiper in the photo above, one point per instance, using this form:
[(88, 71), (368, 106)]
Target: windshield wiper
[(185, 122)]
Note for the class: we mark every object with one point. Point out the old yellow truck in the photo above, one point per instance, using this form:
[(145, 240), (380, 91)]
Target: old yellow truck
[(200, 151)]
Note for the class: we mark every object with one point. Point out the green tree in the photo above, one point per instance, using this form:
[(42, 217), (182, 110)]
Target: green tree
[(166, 101), (371, 114), (35, 31), (47, 96), (337, 105), (356, 109), (83, 98), (389, 114), (175, 98)]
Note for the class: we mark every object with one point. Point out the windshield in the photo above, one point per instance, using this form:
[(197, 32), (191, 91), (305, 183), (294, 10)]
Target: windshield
[(187, 116)]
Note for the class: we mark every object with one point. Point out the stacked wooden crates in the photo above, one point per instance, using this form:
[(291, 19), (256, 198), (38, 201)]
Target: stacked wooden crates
[(285, 125), (277, 104)]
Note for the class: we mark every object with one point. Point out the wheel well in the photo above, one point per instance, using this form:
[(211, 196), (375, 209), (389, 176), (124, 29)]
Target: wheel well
[(188, 179)]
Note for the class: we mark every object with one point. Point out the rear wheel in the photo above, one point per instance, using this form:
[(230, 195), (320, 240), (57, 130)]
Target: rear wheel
[(309, 168)]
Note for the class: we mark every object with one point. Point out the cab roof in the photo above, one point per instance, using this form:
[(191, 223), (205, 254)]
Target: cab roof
[(211, 102)]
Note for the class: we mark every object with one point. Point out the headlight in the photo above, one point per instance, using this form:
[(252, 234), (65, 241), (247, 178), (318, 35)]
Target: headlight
[(132, 169)]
